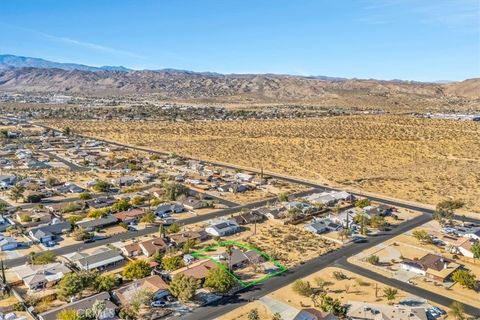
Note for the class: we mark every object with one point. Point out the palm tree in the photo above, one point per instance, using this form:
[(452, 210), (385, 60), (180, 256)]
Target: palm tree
[(457, 311), (16, 192), (229, 249), (390, 293)]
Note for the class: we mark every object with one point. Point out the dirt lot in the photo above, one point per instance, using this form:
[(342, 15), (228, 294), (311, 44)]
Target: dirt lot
[(423, 160), (289, 245)]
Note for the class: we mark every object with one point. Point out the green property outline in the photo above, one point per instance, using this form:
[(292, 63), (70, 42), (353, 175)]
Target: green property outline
[(200, 254)]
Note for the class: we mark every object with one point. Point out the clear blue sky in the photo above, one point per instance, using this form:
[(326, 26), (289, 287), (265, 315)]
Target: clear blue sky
[(423, 40)]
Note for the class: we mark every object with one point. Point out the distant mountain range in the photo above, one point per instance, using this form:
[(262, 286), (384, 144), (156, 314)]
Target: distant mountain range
[(8, 61), (33, 74)]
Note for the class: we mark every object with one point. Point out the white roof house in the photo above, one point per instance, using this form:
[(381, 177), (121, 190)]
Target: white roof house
[(222, 228), (40, 276), (97, 260)]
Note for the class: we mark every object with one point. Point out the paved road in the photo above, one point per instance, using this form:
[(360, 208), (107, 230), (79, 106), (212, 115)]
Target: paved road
[(337, 257), (153, 229), (432, 296), (221, 307), (72, 166)]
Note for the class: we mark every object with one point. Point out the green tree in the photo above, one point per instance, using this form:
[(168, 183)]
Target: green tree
[(68, 314), (136, 269), (184, 287), (85, 196), (121, 205), (218, 280), (101, 186), (173, 228), (373, 259), (98, 213), (106, 282), (148, 218), (476, 250), (67, 131), (136, 201), (457, 311), (302, 288), (283, 197), (73, 219), (188, 245), (96, 310), (276, 316), (81, 235), (173, 190), (465, 278), (43, 257), (422, 236), (171, 263), (71, 285), (390, 293), (253, 315), (446, 209), (17, 192), (362, 203), (334, 306), (142, 297)]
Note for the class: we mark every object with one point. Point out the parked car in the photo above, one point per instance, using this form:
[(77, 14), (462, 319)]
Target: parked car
[(158, 304)]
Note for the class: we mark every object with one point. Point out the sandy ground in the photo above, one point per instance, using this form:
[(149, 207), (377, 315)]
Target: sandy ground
[(391, 251), (354, 288), (289, 245), (415, 159), (242, 312)]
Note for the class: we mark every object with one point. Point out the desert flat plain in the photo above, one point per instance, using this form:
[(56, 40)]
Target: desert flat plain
[(406, 157)]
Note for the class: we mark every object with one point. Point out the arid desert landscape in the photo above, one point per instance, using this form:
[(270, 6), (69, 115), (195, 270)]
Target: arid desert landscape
[(424, 160)]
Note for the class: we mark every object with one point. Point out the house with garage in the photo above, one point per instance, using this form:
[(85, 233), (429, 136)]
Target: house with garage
[(249, 217), (101, 202), (432, 266), (166, 209), (49, 232), (198, 270), (37, 277), (462, 245), (154, 284), (7, 243), (100, 259), (91, 224), (223, 228), (69, 187), (129, 216), (179, 239), (192, 203), (108, 313)]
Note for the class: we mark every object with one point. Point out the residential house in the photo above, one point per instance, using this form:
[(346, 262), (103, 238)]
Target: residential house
[(198, 269), (473, 234), (244, 177), (164, 210), (272, 213), (123, 181), (150, 247), (4, 223), (131, 250), (431, 266), (249, 217), (372, 311), (462, 245), (100, 259), (129, 216), (178, 239), (154, 284), (314, 314), (101, 202), (46, 233), (29, 219), (109, 313), (239, 258), (191, 203), (37, 277), (7, 181), (70, 187), (91, 224), (223, 228), (7, 243)]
